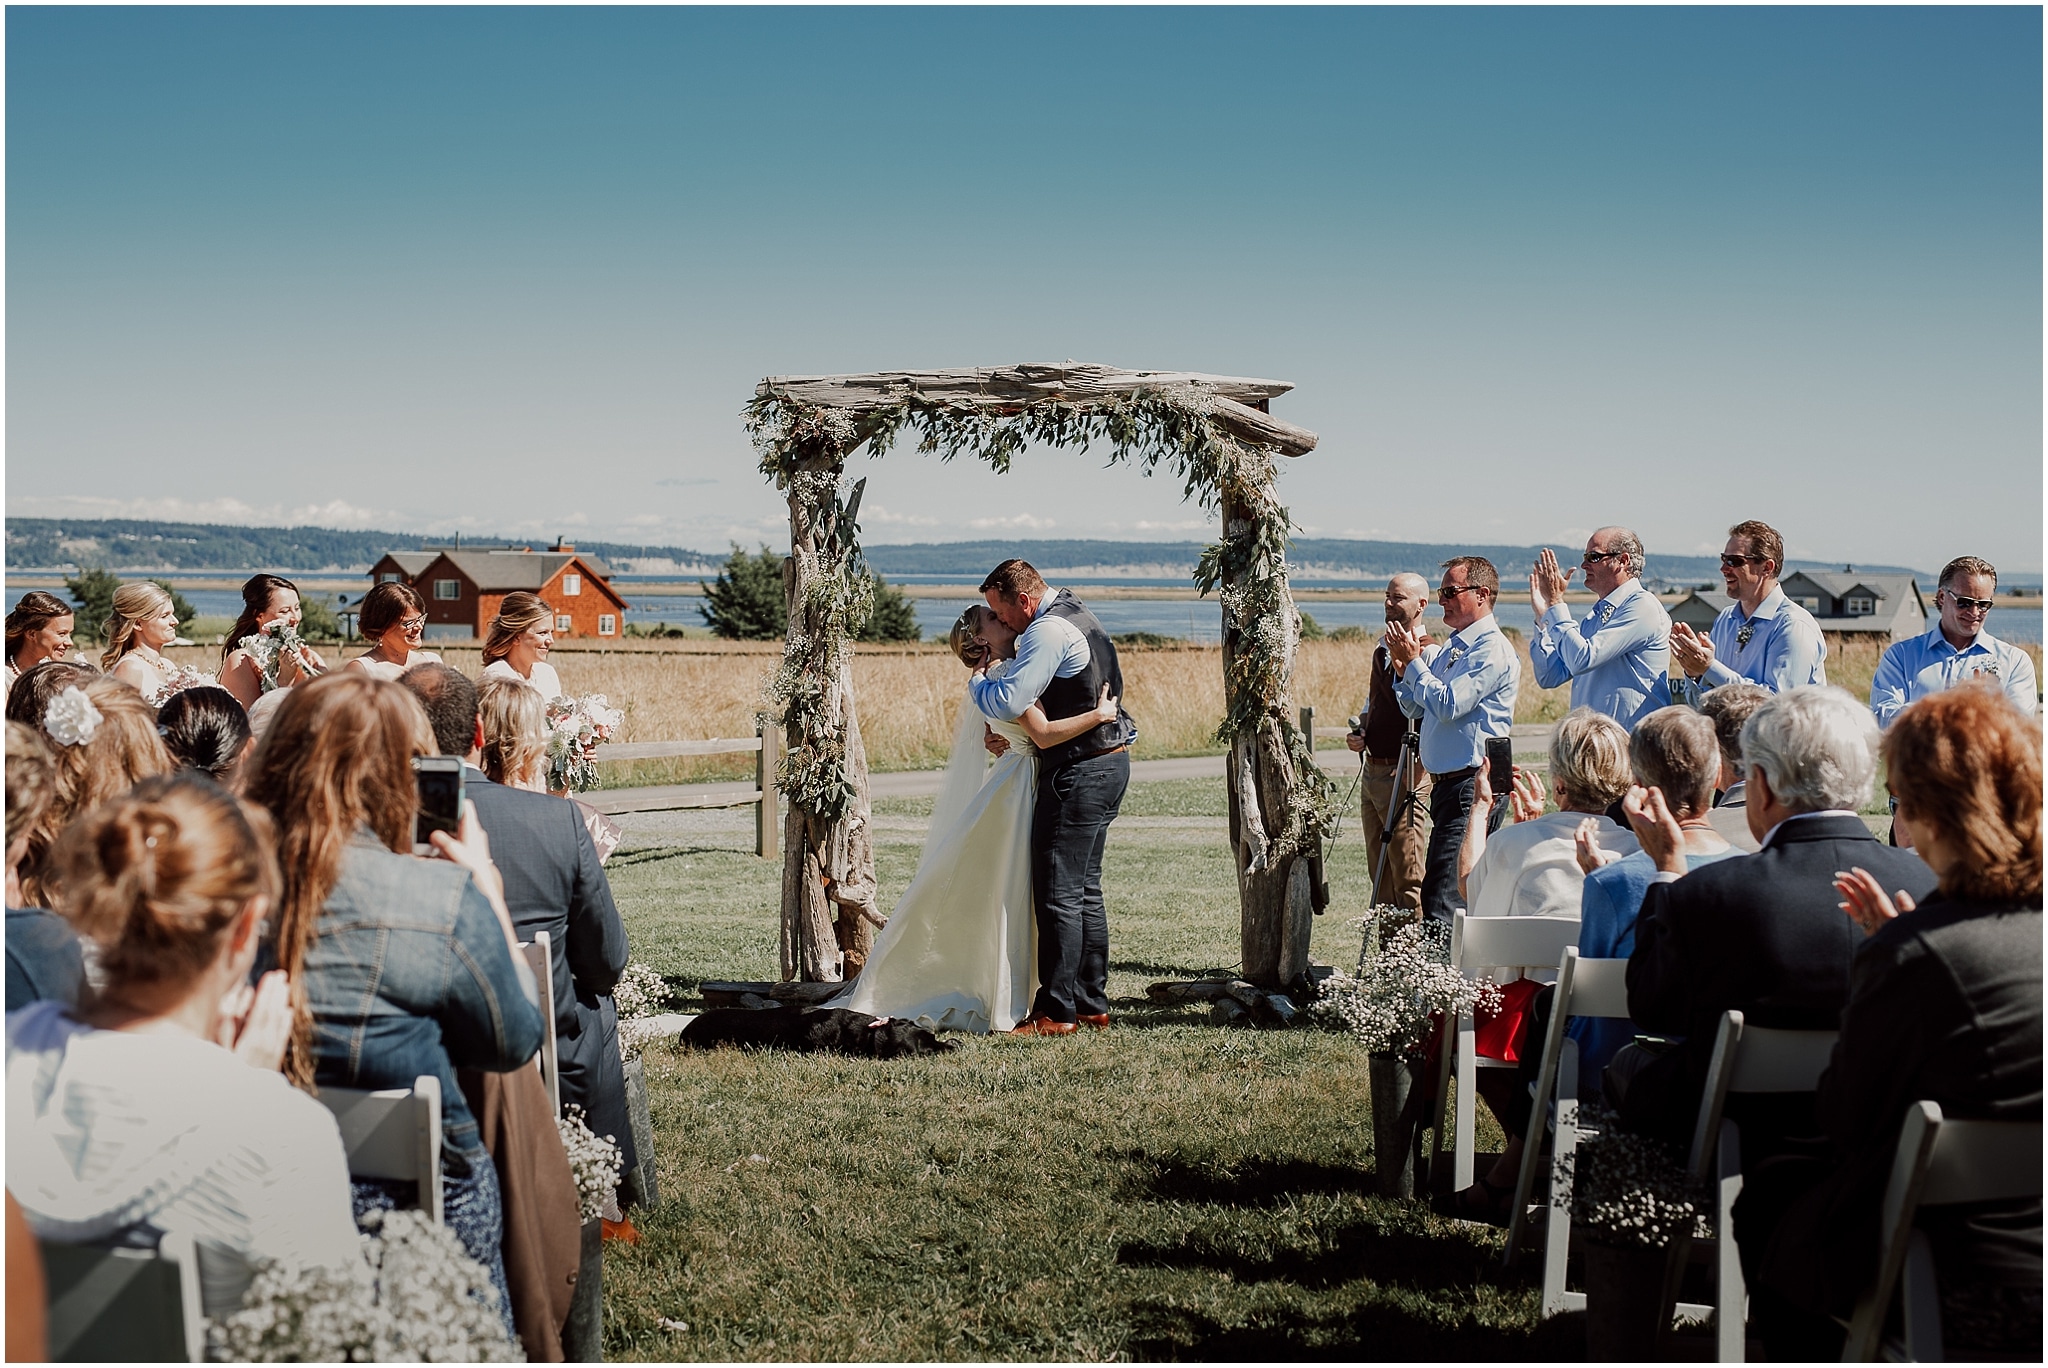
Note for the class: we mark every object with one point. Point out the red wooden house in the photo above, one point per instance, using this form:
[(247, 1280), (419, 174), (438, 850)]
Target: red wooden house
[(464, 587)]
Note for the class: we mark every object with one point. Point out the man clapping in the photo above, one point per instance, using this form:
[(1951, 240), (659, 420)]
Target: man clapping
[(1618, 657)]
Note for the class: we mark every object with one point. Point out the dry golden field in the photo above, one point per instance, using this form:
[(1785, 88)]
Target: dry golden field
[(700, 688)]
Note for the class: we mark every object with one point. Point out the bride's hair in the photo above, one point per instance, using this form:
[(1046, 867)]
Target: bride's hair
[(966, 639)]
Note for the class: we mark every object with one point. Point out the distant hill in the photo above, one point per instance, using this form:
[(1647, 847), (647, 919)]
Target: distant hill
[(134, 544), (131, 545)]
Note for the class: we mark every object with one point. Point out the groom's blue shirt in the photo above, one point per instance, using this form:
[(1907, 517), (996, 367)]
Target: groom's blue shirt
[(1050, 648)]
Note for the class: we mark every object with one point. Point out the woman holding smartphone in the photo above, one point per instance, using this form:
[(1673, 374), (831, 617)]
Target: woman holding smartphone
[(404, 965)]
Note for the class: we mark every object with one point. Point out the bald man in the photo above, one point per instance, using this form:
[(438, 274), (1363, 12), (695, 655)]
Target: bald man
[(1617, 657), (1381, 726)]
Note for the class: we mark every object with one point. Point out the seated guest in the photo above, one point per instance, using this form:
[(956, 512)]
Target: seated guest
[(392, 618), (43, 957), (513, 718), (142, 623), (265, 599), (30, 697), (103, 741), (1530, 868), (1762, 935), (1729, 707), (1673, 752), (1944, 1006), (406, 965), (160, 1105), (552, 883), (206, 730), (38, 629), (517, 647)]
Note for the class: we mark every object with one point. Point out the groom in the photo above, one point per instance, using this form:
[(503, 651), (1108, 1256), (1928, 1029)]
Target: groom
[(1064, 659)]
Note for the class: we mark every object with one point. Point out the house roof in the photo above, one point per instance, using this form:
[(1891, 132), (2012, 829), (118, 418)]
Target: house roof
[(502, 572), (411, 562)]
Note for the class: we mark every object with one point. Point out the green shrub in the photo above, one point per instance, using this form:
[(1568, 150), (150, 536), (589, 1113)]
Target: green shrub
[(746, 602)]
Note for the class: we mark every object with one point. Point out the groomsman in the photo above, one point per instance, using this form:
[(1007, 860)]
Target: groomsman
[(1763, 636), (1464, 693), (1618, 657), (1956, 650)]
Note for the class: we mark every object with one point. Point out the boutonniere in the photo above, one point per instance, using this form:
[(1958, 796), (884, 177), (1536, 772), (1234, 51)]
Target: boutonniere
[(1744, 633), (1452, 656)]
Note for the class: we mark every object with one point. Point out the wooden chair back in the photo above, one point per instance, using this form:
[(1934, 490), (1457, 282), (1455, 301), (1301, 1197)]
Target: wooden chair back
[(111, 1304), (393, 1134)]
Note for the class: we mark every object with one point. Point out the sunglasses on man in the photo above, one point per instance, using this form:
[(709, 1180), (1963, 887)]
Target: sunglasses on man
[(1737, 562), (1449, 593), (1968, 605)]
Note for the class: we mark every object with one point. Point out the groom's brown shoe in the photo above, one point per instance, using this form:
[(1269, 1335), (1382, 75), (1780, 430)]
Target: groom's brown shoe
[(1043, 1026), (1100, 1021)]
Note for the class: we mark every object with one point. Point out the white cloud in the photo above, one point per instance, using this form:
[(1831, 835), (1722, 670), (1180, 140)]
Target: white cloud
[(234, 512), (879, 515), (1029, 522), (1184, 525)]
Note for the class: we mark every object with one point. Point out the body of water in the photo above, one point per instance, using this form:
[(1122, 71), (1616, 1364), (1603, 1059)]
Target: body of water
[(1193, 619)]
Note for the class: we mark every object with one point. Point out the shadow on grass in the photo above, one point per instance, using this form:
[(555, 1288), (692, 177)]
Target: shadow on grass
[(641, 855), (1245, 1183), (1387, 1330)]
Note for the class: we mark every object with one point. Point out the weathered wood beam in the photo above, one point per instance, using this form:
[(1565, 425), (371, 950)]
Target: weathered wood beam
[(1254, 428), (997, 385)]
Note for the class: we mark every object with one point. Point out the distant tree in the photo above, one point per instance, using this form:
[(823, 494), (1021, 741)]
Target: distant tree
[(93, 591), (894, 618), (317, 621), (745, 602), (1311, 630)]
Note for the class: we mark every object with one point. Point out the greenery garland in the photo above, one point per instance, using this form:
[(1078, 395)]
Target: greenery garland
[(803, 449)]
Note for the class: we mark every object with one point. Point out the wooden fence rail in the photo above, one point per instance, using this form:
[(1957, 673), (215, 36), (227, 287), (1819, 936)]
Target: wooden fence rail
[(766, 743)]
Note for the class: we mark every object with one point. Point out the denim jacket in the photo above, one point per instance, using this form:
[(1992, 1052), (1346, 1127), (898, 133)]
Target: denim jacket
[(408, 974)]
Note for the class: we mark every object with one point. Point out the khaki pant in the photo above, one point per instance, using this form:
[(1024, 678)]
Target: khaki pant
[(1402, 886)]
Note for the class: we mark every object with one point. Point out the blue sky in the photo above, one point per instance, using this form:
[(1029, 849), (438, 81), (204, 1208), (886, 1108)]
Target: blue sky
[(1532, 270)]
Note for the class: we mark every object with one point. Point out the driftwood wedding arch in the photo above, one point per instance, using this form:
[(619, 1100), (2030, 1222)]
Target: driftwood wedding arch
[(1216, 434)]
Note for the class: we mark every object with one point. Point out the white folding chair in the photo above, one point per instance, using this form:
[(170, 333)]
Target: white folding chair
[(538, 952), (115, 1305), (1479, 943), (393, 1134), (1938, 1163), (1746, 1059)]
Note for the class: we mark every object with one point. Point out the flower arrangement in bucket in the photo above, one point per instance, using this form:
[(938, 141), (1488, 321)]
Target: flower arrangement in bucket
[(418, 1298), (576, 728), (1391, 1003), (596, 1160)]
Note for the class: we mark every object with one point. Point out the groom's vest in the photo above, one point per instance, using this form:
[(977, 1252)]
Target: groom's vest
[(1078, 694)]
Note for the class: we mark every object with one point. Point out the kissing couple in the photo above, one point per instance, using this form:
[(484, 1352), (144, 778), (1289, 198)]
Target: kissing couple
[(1002, 928)]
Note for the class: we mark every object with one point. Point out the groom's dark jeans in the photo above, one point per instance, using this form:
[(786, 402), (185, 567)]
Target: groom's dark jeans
[(1076, 803)]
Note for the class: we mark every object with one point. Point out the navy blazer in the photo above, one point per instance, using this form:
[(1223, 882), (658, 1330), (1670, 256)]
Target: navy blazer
[(1761, 934)]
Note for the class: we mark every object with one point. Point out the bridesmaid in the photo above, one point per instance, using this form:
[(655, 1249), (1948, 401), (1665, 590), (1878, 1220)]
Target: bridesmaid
[(142, 624), (265, 599), (38, 629), (393, 618), (517, 648)]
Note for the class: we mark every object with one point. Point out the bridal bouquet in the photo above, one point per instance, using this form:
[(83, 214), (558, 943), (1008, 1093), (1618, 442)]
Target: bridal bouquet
[(419, 1298), (576, 728), (1389, 1003), (179, 679), (271, 647)]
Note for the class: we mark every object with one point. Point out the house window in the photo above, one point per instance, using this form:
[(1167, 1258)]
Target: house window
[(607, 624), (572, 585), (389, 577), (1810, 604), (563, 622), (1859, 607), (447, 589)]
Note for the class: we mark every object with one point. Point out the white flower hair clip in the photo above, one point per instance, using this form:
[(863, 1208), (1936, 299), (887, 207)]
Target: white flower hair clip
[(71, 718)]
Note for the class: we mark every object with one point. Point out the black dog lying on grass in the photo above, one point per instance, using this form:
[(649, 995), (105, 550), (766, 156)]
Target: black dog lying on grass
[(811, 1030)]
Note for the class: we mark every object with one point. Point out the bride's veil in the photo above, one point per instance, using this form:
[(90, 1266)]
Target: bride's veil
[(964, 775)]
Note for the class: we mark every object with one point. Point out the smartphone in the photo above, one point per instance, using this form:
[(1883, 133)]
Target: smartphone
[(440, 781), (1500, 764)]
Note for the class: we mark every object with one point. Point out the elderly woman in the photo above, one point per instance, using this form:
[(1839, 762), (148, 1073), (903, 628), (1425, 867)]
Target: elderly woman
[(1531, 868), (1944, 1006)]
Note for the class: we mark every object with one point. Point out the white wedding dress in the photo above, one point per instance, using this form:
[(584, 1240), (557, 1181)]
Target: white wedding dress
[(960, 951)]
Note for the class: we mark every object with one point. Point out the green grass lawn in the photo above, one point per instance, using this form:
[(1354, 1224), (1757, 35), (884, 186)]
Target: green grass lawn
[(1167, 1189)]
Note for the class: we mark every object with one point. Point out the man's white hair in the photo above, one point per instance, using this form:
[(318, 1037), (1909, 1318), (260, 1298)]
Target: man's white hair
[(1816, 745)]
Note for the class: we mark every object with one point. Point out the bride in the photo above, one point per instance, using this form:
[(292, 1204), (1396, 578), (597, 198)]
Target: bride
[(959, 952)]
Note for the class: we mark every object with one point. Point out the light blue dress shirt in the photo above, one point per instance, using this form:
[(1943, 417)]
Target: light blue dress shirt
[(1618, 657), (1785, 649), (1463, 693), (1927, 664), (1050, 648)]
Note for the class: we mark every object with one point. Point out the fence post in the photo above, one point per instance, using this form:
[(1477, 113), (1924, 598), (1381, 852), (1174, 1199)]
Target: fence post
[(1308, 728), (767, 823)]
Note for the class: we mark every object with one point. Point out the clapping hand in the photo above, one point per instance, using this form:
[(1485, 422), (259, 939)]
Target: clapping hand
[(1547, 583), (1693, 652), (1404, 644), (256, 1023), (1527, 801), (1867, 903), (1587, 850), (1662, 839)]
